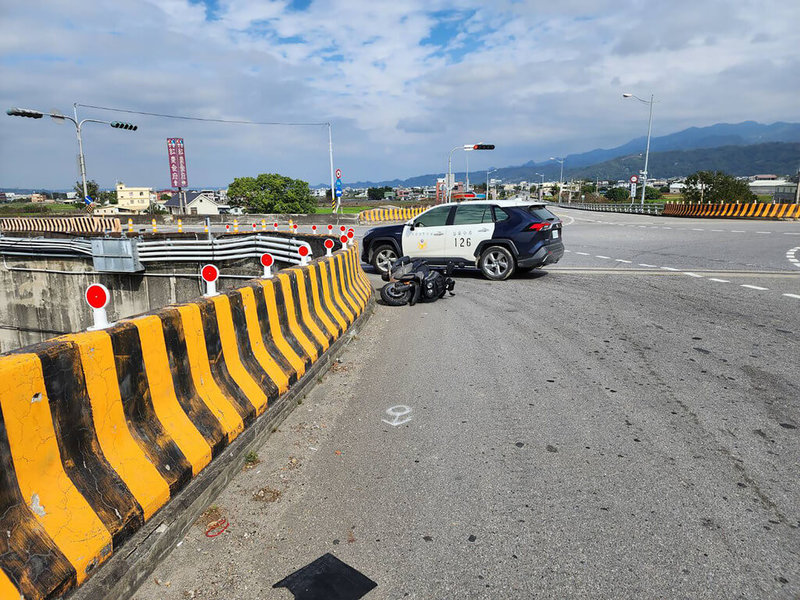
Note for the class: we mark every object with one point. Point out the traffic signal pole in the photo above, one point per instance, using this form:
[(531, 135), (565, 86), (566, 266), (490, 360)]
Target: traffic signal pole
[(37, 114)]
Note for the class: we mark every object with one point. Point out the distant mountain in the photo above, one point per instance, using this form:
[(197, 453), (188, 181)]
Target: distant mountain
[(776, 157), (724, 138)]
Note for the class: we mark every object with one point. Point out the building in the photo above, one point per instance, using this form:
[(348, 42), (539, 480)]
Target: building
[(134, 199), (785, 194), (676, 187), (197, 203), (38, 198), (766, 187)]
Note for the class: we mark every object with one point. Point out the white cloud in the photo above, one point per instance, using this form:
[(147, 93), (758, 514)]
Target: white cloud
[(536, 78)]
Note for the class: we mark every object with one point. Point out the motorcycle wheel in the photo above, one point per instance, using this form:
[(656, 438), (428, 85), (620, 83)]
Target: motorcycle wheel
[(393, 297)]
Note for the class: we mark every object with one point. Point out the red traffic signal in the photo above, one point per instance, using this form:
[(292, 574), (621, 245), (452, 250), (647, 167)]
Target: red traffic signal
[(483, 147)]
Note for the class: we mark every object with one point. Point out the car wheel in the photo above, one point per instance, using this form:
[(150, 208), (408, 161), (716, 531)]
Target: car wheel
[(496, 263), (383, 257), (392, 297)]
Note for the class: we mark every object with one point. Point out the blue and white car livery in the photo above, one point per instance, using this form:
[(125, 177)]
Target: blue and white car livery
[(498, 237)]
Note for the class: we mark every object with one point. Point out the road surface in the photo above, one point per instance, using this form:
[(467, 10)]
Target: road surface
[(621, 425)]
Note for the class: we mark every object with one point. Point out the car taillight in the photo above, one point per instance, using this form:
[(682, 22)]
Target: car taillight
[(539, 227)]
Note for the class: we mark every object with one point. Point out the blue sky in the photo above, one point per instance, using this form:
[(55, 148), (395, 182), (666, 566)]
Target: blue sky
[(402, 82)]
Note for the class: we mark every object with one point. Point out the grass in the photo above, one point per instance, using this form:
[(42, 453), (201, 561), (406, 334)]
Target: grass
[(23, 209)]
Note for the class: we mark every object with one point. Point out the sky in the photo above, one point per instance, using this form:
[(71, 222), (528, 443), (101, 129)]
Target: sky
[(401, 83)]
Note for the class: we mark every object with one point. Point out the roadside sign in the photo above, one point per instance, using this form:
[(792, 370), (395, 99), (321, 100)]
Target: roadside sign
[(634, 179), (97, 295), (338, 185), (338, 173), (210, 273), (338, 192)]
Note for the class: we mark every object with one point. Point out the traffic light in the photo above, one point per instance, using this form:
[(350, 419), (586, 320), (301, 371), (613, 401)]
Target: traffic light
[(121, 125), (24, 112), (483, 147)]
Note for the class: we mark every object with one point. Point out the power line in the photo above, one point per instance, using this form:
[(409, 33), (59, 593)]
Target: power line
[(184, 118)]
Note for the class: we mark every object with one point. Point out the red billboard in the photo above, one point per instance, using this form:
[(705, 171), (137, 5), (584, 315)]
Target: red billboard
[(177, 162)]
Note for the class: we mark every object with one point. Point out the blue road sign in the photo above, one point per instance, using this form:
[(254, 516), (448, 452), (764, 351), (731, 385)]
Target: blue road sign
[(338, 192), (88, 200)]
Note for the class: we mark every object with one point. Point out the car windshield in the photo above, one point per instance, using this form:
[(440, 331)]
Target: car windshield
[(541, 213)]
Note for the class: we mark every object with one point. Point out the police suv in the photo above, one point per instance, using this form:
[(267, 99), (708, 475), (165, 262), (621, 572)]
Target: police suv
[(499, 237)]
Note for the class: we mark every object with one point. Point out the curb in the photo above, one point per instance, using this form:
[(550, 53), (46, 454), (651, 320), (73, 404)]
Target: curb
[(388, 214)]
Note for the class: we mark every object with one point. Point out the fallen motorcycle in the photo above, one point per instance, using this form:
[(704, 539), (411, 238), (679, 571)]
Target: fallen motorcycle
[(412, 280)]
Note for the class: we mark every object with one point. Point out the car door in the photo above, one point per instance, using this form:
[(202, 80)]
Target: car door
[(472, 224), (426, 239)]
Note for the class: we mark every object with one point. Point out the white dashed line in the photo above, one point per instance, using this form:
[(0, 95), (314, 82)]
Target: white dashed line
[(648, 266), (669, 269), (583, 253), (754, 287), (718, 280), (599, 256), (791, 233), (698, 229), (763, 232), (717, 230), (623, 260), (692, 274), (736, 231), (792, 296), (666, 228)]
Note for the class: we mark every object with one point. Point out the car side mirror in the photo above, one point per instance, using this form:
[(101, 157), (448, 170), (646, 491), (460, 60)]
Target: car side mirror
[(411, 225)]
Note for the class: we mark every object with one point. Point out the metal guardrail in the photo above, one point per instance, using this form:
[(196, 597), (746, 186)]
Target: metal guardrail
[(41, 246), (244, 246), (635, 208), (126, 254)]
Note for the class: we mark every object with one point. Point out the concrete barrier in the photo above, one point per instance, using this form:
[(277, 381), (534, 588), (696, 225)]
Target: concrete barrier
[(61, 224), (389, 214), (753, 210), (99, 430)]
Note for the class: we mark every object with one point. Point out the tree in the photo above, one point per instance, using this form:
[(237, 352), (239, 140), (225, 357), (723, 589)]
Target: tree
[(651, 193), (588, 188), (165, 197), (716, 186), (271, 193), (91, 187), (377, 193), (618, 194), (103, 197)]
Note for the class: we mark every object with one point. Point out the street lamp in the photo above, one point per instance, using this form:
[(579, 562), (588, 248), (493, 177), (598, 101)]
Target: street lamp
[(649, 128), (561, 175), (36, 114), (487, 182), (466, 148), (541, 187)]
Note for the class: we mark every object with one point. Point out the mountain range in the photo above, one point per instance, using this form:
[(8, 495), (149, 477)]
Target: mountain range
[(746, 148)]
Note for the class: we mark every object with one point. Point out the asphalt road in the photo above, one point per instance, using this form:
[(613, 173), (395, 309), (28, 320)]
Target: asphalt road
[(604, 429)]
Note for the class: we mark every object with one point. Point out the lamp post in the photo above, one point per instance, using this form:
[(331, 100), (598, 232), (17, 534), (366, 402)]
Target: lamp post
[(649, 129), (541, 187), (466, 148), (37, 114), (561, 175), (487, 182)]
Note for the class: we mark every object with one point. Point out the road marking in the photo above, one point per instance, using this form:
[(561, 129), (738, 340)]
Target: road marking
[(717, 230), (648, 266), (698, 229), (791, 233), (754, 287), (565, 250), (792, 258), (666, 228), (736, 231), (623, 260), (718, 280), (606, 257), (583, 253), (669, 269), (792, 296), (763, 232), (692, 274), (397, 413)]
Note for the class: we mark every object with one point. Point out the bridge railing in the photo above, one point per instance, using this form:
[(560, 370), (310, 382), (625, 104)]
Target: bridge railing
[(627, 207)]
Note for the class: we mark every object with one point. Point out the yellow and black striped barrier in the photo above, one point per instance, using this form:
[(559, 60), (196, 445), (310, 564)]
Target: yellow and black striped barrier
[(62, 224), (753, 210), (375, 215), (99, 430)]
